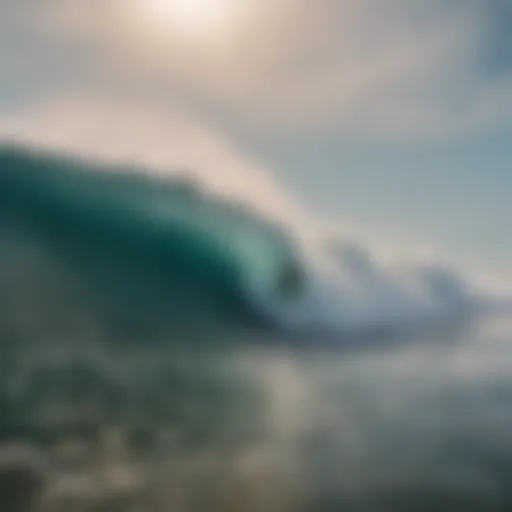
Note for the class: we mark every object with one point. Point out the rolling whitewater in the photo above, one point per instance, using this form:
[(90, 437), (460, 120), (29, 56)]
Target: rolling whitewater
[(148, 336)]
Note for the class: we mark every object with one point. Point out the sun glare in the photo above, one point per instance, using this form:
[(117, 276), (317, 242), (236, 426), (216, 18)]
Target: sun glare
[(191, 18)]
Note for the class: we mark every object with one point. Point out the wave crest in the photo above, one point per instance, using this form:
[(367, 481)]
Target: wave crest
[(166, 252)]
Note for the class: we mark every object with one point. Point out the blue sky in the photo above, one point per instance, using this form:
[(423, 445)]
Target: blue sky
[(454, 196), (391, 115)]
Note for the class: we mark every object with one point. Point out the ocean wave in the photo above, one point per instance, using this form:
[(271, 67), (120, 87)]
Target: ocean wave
[(167, 251), (108, 280), (168, 245)]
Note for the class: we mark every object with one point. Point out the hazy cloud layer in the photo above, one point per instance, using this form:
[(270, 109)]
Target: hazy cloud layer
[(364, 68)]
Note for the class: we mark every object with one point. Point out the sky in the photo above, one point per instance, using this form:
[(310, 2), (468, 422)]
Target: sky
[(391, 118)]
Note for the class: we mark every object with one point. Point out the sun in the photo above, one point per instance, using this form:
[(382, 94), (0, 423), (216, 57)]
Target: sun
[(191, 18)]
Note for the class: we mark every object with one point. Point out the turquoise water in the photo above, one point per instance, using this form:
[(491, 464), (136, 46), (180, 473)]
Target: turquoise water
[(213, 255), (144, 365)]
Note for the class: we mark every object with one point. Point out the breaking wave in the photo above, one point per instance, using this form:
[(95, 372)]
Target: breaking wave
[(161, 246), (107, 281), (167, 252)]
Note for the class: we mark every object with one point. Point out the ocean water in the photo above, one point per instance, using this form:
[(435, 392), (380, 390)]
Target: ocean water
[(165, 349)]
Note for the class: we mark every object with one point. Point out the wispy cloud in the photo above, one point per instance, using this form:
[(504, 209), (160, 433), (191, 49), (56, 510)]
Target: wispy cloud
[(361, 68)]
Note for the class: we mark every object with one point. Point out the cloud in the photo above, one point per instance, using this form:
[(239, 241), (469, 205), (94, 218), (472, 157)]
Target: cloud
[(394, 71)]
